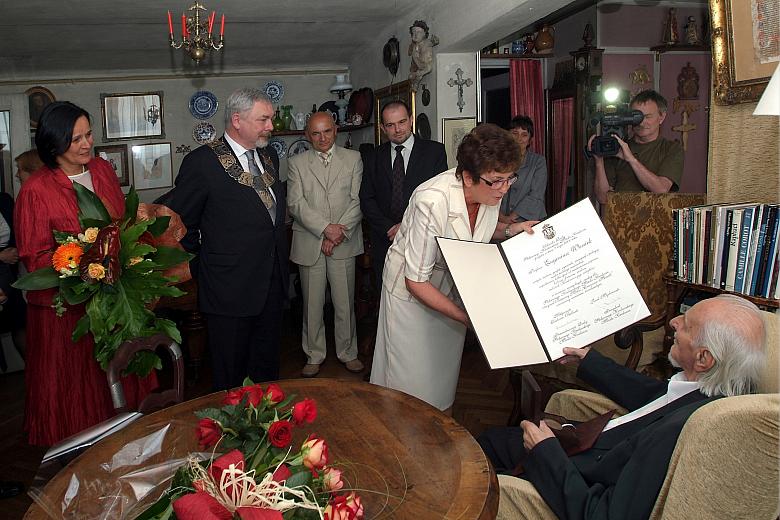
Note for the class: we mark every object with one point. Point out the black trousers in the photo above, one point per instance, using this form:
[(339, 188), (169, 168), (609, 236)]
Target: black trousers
[(248, 345), (504, 447)]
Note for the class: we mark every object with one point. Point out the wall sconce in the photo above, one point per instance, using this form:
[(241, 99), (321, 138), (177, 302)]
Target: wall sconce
[(153, 114)]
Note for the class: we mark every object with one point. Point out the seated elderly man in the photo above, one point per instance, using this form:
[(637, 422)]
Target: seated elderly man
[(720, 347)]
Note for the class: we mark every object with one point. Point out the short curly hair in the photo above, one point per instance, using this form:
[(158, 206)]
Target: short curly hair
[(422, 25), (487, 148)]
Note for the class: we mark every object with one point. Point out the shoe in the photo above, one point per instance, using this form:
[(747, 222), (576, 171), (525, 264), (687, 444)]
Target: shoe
[(354, 365), (10, 489), (310, 370)]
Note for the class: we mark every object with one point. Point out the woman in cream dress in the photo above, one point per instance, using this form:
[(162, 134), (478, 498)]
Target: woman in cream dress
[(421, 324)]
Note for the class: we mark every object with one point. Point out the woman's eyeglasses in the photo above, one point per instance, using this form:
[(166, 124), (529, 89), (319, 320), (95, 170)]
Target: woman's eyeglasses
[(500, 183)]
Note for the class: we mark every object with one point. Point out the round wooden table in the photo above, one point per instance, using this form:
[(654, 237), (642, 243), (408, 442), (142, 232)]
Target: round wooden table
[(419, 462)]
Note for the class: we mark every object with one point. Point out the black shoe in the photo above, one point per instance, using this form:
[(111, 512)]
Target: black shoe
[(10, 489)]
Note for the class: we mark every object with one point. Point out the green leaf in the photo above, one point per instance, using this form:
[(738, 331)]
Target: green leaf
[(169, 328), (44, 278), (82, 327), (247, 381), (131, 205), (301, 478), (159, 225), (91, 222), (170, 256), (143, 362), (76, 291), (61, 237), (90, 206)]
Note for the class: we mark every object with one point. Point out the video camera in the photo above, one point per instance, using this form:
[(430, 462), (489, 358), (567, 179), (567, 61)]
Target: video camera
[(613, 120)]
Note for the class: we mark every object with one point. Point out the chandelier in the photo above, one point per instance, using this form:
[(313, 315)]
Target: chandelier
[(197, 37)]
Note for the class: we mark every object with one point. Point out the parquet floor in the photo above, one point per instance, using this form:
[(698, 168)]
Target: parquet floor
[(484, 399)]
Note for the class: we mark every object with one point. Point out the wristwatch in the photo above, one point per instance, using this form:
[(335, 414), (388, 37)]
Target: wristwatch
[(506, 231)]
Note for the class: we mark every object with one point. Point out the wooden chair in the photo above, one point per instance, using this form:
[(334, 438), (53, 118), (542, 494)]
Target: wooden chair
[(157, 399), (724, 465), (640, 225)]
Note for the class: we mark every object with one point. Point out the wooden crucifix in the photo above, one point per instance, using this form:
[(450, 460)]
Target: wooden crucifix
[(460, 82), (684, 128)]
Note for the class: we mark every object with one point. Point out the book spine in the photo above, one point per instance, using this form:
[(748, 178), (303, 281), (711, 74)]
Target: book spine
[(717, 249), (751, 256), (691, 244), (744, 241), (772, 251), (705, 276), (675, 245), (765, 250), (684, 254), (759, 250), (724, 260), (731, 271)]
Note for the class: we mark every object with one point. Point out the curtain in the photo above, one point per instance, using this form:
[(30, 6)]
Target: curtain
[(563, 130), (526, 93)]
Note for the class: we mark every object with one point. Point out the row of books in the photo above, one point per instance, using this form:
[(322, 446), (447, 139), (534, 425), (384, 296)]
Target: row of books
[(733, 247)]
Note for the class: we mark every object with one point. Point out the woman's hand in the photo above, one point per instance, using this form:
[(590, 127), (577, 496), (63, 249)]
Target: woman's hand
[(9, 255), (521, 227)]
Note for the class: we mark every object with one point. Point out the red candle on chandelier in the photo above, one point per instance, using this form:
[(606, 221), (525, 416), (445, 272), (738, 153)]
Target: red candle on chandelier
[(222, 27), (183, 26), (170, 24), (211, 21)]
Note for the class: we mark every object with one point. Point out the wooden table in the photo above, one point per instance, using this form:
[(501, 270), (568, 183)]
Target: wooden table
[(429, 464)]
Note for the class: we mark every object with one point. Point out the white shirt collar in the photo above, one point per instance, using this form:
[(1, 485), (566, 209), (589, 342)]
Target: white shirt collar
[(679, 386), (237, 148), (408, 144)]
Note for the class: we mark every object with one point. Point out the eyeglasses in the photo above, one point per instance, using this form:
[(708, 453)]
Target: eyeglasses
[(497, 185)]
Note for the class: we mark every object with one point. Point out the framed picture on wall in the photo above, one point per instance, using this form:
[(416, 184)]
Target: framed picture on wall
[(152, 166), (116, 154), (130, 116), (452, 132), (397, 91), (37, 99), (744, 48)]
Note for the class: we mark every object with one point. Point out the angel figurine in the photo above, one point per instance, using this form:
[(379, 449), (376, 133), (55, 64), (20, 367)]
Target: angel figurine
[(421, 51)]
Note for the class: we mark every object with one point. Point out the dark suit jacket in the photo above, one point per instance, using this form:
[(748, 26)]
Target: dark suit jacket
[(239, 244), (8, 272), (622, 474), (427, 160)]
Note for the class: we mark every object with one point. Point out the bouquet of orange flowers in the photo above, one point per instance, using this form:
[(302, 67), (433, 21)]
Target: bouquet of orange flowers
[(262, 476), (118, 269)]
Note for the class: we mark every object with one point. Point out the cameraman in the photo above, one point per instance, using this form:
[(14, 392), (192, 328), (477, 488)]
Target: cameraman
[(647, 162)]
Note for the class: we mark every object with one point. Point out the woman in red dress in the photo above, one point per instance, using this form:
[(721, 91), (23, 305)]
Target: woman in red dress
[(66, 390)]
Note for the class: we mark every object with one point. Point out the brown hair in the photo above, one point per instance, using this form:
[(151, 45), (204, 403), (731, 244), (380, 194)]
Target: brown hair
[(29, 161), (487, 148)]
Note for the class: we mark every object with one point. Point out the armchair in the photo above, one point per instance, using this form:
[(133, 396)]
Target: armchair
[(724, 465), (641, 227)]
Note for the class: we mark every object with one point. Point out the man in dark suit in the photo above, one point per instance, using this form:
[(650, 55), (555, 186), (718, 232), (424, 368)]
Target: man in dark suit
[(720, 346), (230, 193), (390, 179)]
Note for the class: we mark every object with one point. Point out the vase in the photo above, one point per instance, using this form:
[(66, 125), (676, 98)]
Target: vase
[(300, 121), (544, 40), (287, 117), (277, 122)]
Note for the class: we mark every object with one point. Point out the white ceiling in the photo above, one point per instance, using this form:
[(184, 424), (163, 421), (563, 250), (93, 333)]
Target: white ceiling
[(55, 37)]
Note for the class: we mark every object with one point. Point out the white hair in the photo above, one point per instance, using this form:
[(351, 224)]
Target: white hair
[(736, 338), (242, 100)]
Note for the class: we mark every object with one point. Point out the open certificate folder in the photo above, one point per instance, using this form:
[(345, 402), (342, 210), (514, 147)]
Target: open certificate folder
[(532, 295)]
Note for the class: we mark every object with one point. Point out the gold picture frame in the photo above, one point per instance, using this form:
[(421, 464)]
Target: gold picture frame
[(739, 77), (401, 91)]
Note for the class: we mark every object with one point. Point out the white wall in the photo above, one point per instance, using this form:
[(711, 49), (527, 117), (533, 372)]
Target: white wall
[(301, 90)]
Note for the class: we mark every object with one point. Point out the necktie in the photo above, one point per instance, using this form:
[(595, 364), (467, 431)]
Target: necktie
[(255, 171), (325, 157), (397, 199)]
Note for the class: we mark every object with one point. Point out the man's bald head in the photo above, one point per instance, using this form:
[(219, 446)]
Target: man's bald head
[(321, 131)]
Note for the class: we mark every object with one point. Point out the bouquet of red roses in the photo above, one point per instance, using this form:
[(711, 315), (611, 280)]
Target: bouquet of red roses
[(263, 476)]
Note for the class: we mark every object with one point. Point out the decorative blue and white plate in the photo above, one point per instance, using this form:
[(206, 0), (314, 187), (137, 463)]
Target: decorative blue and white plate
[(204, 133), (274, 90), (203, 104), (277, 143), (299, 146)]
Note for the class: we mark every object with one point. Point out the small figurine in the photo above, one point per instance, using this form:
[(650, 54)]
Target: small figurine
[(691, 32), (688, 83), (671, 36), (421, 51)]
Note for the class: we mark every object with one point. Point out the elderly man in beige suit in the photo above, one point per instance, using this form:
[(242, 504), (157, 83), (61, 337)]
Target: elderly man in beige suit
[(323, 199)]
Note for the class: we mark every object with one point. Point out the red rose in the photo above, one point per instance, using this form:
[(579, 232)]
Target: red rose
[(274, 393), (255, 393), (208, 432), (280, 434), (337, 509), (233, 458), (332, 480), (258, 513), (355, 505), (304, 411), (233, 396)]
